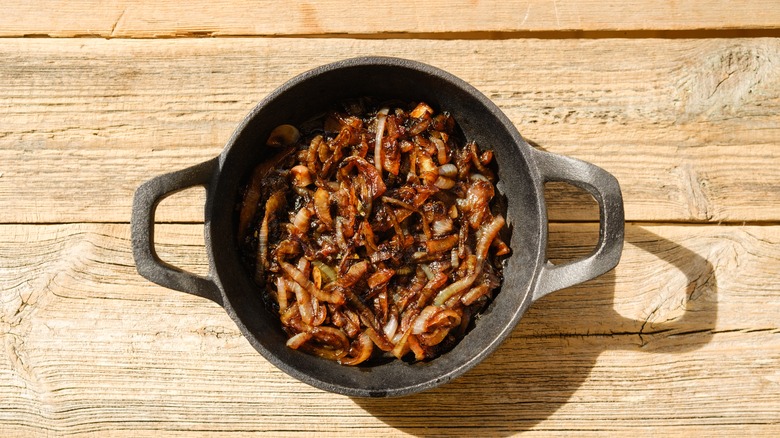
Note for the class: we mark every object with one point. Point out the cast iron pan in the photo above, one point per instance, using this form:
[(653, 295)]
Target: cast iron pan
[(522, 172)]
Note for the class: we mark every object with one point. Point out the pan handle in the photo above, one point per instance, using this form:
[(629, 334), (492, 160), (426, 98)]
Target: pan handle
[(145, 202), (606, 190)]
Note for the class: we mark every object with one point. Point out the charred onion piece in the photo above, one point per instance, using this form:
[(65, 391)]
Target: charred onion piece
[(373, 232)]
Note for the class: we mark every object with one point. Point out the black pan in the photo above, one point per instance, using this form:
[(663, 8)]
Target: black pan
[(522, 172)]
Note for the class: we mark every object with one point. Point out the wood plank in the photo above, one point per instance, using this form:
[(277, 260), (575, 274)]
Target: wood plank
[(689, 127), (146, 19), (681, 338)]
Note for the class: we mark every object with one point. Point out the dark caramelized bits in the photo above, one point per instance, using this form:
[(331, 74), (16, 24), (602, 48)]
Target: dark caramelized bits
[(370, 231)]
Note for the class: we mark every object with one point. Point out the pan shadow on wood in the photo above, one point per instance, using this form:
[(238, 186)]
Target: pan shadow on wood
[(662, 298)]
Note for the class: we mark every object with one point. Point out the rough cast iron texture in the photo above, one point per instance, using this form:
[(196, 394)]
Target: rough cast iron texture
[(522, 172)]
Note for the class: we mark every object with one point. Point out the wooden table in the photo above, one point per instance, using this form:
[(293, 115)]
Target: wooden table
[(679, 100)]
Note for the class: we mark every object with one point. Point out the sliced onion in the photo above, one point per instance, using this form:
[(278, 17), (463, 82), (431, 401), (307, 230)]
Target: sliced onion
[(332, 337), (320, 312), (302, 220), (501, 247), (322, 207), (281, 294), (326, 270), (420, 324), (421, 110), (442, 226), (301, 176), (360, 351), (391, 326), (486, 234), (402, 345), (441, 244), (380, 278), (381, 116), (448, 170), (373, 176), (417, 349), (474, 294), (441, 151), (454, 259), (313, 153), (378, 339), (299, 339), (304, 266), (354, 274), (444, 183), (275, 202), (335, 297), (455, 288), (303, 299)]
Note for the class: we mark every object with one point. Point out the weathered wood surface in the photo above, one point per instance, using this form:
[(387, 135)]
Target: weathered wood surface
[(689, 127), (148, 19), (680, 100), (671, 342)]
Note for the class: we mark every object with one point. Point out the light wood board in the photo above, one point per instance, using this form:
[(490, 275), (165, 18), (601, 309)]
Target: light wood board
[(480, 18), (689, 127), (680, 100), (91, 346)]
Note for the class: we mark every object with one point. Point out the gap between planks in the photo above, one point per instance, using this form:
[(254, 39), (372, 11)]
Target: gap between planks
[(671, 34)]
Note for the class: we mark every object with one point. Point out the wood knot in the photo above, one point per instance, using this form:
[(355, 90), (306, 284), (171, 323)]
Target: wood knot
[(727, 82)]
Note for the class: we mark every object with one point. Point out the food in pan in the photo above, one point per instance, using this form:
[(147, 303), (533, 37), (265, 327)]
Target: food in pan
[(371, 231)]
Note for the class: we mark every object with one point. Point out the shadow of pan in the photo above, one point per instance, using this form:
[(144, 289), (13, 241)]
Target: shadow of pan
[(671, 289)]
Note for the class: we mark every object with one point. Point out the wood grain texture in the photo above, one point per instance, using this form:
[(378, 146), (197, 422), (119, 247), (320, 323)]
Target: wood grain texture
[(689, 127), (672, 342), (147, 19)]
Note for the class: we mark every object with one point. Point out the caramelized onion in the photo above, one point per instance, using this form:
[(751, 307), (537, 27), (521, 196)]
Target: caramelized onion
[(360, 351), (486, 234), (474, 294), (322, 207), (381, 117), (369, 251), (334, 297)]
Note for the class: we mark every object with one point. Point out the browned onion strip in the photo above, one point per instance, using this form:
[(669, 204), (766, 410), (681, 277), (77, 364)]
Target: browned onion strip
[(381, 117), (274, 203), (249, 204), (475, 159), (322, 207), (501, 247), (303, 299), (378, 235), (299, 339), (281, 294), (485, 236), (327, 342), (354, 274), (360, 351), (335, 297), (441, 244), (253, 191), (441, 150), (372, 175), (438, 326), (380, 278), (399, 203), (302, 220), (417, 349), (474, 294), (455, 288), (313, 154)]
